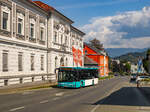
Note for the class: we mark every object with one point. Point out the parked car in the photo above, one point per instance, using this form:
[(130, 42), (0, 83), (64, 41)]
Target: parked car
[(139, 78), (133, 76)]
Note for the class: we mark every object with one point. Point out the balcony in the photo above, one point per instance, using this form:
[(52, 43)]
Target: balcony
[(31, 39), (42, 42), (20, 37), (5, 33)]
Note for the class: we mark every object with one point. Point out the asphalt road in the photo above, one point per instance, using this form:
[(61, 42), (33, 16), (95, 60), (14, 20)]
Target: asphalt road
[(73, 100)]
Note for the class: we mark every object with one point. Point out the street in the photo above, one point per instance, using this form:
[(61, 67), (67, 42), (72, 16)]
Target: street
[(114, 95)]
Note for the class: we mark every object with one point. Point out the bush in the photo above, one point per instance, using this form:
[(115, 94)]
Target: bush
[(110, 73), (106, 77)]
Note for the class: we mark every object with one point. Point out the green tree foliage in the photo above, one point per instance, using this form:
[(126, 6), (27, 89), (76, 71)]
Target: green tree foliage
[(146, 61), (128, 67), (145, 64), (121, 67)]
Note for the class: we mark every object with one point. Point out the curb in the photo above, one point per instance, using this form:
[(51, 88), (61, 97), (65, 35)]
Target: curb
[(26, 88)]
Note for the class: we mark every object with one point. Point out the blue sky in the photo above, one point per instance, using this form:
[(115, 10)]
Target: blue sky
[(81, 11), (116, 23)]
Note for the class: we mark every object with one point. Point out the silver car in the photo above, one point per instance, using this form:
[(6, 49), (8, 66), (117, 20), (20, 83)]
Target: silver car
[(139, 78)]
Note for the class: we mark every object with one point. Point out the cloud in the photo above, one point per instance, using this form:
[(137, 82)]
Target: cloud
[(94, 4), (126, 30)]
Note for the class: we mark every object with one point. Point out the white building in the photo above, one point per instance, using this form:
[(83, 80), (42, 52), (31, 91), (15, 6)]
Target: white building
[(134, 68), (33, 42), (62, 36)]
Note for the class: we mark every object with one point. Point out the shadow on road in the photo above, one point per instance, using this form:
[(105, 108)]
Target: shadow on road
[(127, 96), (55, 86), (133, 81)]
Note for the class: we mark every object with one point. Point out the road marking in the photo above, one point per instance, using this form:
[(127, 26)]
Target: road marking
[(27, 93), (45, 101), (18, 108), (60, 94), (56, 98), (94, 109)]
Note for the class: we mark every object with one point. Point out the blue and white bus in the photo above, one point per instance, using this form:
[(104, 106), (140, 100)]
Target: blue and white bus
[(76, 77)]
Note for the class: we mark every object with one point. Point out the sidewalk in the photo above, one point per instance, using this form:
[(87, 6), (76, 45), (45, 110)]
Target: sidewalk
[(128, 98), (25, 86)]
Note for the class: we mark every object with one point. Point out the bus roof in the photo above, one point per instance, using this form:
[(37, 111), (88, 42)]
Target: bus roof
[(79, 68)]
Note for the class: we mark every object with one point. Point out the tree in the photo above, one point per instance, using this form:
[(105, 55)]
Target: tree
[(148, 55), (146, 61), (96, 43), (128, 67), (145, 64)]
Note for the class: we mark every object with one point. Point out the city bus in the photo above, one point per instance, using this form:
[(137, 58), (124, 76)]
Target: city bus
[(77, 77)]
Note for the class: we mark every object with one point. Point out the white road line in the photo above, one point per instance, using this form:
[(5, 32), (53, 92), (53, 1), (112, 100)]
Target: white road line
[(45, 101), (60, 94), (94, 109), (18, 108), (55, 98)]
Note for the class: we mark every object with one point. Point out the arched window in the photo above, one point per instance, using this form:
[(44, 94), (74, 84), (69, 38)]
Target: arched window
[(66, 62), (62, 39), (71, 43), (61, 62), (55, 36), (56, 62)]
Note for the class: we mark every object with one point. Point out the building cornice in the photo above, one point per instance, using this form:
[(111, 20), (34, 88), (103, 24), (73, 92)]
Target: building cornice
[(23, 75), (58, 50), (30, 2), (55, 12), (77, 30), (21, 44), (49, 9)]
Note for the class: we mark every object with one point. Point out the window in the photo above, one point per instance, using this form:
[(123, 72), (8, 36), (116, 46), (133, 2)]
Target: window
[(61, 62), (42, 63), (70, 43), (55, 36), (5, 62), (66, 40), (56, 62), (85, 52), (20, 26), (32, 63), (5, 21), (32, 30), (80, 44), (20, 62), (61, 39), (73, 42), (66, 62), (42, 33)]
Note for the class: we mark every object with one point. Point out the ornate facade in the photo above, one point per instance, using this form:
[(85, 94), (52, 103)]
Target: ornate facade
[(34, 40)]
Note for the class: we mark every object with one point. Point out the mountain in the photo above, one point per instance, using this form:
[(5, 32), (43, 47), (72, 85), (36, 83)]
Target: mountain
[(132, 57), (115, 52)]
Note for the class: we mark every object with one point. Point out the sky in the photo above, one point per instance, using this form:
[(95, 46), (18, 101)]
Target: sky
[(116, 23)]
